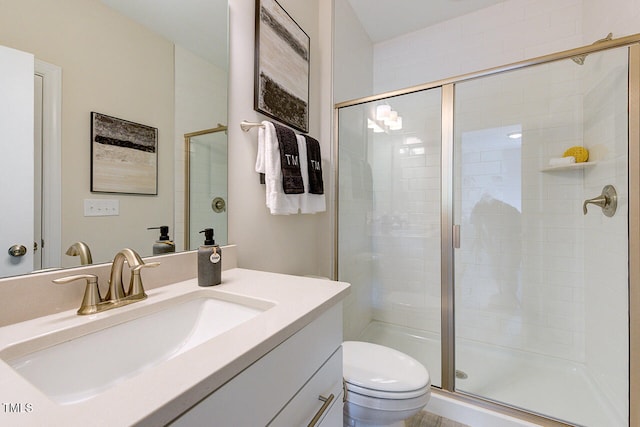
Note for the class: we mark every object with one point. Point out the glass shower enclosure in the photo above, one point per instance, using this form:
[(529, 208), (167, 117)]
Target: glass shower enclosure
[(474, 245), (205, 185)]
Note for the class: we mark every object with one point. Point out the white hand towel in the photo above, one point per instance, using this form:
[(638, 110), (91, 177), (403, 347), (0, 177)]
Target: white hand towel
[(562, 161), (260, 165), (309, 203), (277, 201)]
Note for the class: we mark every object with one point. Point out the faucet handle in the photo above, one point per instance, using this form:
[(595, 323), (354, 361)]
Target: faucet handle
[(608, 201), (91, 297), (135, 285)]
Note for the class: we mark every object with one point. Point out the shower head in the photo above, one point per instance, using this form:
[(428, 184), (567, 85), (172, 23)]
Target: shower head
[(579, 59)]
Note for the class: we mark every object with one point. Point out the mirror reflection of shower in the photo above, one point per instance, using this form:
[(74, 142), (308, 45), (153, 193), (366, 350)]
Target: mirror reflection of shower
[(205, 184)]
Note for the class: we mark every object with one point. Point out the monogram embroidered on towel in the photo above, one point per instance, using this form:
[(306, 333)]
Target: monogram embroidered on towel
[(292, 182)]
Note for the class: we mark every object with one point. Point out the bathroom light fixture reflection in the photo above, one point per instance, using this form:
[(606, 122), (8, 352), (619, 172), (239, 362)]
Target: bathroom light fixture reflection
[(383, 111), (397, 125), (392, 118), (385, 119), (374, 126), (515, 135)]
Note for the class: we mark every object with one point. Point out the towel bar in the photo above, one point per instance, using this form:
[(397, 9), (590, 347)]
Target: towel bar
[(246, 126)]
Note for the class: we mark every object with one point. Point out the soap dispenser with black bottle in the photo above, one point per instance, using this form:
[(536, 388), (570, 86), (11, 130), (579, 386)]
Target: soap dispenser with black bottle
[(209, 261), (163, 245)]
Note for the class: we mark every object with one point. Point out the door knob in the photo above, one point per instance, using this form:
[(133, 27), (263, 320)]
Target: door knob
[(608, 201), (17, 250)]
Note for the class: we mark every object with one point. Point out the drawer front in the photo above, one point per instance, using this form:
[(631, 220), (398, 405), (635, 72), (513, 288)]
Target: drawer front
[(334, 417), (256, 395), (317, 398)]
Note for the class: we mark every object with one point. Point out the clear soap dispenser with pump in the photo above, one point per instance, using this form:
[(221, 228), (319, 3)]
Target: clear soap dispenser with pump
[(209, 261), (163, 245)]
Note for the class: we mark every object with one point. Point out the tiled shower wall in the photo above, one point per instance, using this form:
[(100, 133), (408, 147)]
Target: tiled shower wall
[(355, 193), (405, 221), (605, 248), (507, 32), (519, 271)]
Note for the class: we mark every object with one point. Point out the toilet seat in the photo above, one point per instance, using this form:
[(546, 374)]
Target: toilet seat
[(381, 372), (352, 388)]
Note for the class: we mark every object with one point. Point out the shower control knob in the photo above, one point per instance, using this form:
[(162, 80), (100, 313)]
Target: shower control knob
[(218, 205), (608, 201), (17, 250)]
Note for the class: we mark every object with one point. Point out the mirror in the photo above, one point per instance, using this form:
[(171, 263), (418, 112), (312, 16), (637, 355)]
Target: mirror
[(162, 64), (205, 185)]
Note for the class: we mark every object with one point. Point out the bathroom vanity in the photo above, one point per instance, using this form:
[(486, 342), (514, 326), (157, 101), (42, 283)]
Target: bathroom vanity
[(261, 348), (295, 382)]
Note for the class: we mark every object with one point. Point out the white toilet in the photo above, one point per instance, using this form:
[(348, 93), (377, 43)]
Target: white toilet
[(383, 386)]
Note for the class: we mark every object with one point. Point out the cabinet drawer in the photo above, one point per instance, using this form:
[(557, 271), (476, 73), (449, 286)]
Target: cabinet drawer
[(334, 417), (326, 382), (256, 395)]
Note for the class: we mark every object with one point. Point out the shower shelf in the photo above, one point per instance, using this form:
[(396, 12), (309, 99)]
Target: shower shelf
[(572, 166)]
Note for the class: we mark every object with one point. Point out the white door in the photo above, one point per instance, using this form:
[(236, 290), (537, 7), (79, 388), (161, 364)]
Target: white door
[(38, 83), (16, 162)]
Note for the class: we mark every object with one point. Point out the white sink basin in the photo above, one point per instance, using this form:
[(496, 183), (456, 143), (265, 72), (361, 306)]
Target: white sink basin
[(83, 364)]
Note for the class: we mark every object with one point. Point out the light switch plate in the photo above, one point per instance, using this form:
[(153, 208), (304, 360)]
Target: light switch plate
[(101, 207)]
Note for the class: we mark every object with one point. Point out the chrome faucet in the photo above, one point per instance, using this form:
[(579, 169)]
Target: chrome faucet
[(82, 249), (116, 295)]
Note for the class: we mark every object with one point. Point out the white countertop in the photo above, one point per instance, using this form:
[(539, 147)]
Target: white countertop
[(159, 394)]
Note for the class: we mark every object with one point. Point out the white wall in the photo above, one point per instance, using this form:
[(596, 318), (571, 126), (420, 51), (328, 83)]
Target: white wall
[(353, 53), (295, 244)]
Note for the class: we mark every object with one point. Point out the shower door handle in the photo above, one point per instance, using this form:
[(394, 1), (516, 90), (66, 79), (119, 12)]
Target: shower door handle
[(608, 201), (456, 236)]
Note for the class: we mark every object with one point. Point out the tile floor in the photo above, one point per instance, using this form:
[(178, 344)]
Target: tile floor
[(427, 419)]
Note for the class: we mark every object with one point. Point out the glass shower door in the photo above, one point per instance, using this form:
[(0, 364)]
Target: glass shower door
[(541, 286), (389, 223)]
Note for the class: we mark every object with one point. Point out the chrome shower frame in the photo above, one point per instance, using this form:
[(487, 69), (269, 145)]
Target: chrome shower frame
[(447, 220)]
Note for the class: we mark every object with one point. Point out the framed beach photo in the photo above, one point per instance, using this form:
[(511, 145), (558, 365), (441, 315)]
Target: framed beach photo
[(124, 156), (282, 49)]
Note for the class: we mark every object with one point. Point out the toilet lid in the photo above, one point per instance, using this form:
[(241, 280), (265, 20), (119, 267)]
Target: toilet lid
[(378, 368)]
